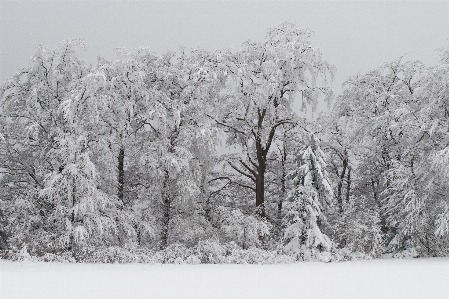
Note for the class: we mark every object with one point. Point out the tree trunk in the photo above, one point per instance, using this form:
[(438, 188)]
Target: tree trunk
[(260, 183), (72, 240), (283, 181), (260, 198), (167, 193), (166, 210), (348, 185), (73, 199), (205, 193), (383, 222), (121, 174), (340, 186), (345, 172), (282, 196)]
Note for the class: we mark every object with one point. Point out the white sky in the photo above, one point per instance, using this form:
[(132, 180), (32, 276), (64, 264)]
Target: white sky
[(354, 36)]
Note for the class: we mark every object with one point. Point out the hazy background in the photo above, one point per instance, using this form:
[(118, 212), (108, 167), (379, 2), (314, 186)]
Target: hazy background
[(354, 36)]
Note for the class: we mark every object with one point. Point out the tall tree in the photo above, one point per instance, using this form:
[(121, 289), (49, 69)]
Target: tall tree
[(30, 117), (309, 200), (182, 142), (128, 102), (264, 80), (31, 123)]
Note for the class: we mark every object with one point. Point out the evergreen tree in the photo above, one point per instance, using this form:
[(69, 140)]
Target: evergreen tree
[(309, 199)]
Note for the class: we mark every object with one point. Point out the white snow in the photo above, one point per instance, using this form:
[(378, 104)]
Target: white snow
[(412, 278)]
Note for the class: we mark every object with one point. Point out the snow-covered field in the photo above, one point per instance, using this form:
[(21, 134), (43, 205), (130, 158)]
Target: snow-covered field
[(412, 278)]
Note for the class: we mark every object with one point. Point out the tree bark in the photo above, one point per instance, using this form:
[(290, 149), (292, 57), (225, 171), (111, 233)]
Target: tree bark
[(348, 185), (166, 199), (73, 197), (205, 193), (260, 197), (72, 218), (283, 181), (340, 187), (167, 193), (121, 174), (260, 180)]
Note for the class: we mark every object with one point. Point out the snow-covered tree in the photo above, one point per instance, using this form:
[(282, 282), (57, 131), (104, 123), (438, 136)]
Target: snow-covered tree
[(264, 80), (77, 212), (181, 141), (31, 123), (116, 161), (30, 118), (377, 110), (309, 199)]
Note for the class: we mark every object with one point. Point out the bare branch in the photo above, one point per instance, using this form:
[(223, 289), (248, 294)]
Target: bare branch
[(226, 125), (242, 172), (253, 172), (273, 131)]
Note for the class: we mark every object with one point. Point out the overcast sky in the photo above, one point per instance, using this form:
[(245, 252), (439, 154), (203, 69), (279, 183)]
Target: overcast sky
[(354, 36)]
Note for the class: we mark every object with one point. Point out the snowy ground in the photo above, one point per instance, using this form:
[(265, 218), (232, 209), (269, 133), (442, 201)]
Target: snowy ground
[(413, 278)]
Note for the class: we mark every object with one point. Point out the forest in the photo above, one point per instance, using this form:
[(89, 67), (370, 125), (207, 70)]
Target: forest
[(202, 156)]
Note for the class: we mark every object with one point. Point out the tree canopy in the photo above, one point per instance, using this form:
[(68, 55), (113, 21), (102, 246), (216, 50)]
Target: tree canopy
[(199, 156)]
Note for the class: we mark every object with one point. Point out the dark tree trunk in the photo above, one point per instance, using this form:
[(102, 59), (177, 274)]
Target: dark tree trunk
[(283, 181), (72, 218), (166, 199), (282, 196), (348, 185), (244, 239), (383, 222), (73, 199), (121, 174), (3, 243), (260, 198), (205, 195), (260, 180), (340, 187), (168, 194), (375, 195), (261, 153)]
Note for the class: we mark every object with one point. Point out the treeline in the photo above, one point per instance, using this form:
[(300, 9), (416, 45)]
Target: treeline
[(199, 156)]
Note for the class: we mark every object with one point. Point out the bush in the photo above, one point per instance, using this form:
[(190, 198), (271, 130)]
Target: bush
[(23, 255), (245, 230), (345, 254), (210, 252), (175, 254), (116, 254), (359, 230)]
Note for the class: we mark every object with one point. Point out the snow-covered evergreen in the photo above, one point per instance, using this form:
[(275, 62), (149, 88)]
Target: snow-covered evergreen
[(308, 202)]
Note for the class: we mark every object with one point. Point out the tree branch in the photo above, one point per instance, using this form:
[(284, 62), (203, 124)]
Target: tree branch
[(226, 125), (242, 172)]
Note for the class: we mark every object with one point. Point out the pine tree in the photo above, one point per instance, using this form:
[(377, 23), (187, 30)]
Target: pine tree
[(308, 201)]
